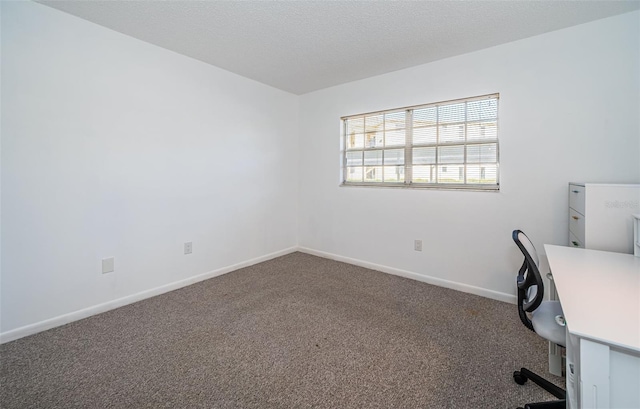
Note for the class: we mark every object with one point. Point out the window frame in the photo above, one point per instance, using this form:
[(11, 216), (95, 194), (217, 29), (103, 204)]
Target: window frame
[(409, 145)]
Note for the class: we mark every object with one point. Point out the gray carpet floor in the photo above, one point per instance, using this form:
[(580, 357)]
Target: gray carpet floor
[(295, 332)]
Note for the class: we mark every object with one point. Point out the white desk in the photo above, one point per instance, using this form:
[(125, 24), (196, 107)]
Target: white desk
[(600, 296)]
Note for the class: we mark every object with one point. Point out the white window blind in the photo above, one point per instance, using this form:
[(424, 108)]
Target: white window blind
[(452, 144)]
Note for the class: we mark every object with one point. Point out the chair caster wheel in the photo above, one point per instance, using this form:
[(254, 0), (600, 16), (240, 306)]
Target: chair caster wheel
[(519, 378)]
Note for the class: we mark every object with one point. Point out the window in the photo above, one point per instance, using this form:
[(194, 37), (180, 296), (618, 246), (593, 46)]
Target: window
[(452, 144)]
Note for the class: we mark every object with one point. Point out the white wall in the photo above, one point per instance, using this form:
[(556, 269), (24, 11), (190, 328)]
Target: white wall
[(114, 147), (569, 111)]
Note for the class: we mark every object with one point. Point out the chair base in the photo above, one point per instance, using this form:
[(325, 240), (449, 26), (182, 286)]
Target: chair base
[(521, 377), (556, 404)]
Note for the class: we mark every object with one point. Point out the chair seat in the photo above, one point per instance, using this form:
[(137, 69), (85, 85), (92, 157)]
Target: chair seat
[(544, 322)]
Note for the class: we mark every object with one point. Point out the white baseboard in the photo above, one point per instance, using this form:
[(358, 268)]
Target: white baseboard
[(120, 302), (483, 292)]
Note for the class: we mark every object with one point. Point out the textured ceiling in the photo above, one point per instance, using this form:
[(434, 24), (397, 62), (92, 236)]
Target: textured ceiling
[(302, 46)]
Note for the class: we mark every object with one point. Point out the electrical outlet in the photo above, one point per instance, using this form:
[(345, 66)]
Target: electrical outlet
[(188, 248), (108, 265), (417, 245)]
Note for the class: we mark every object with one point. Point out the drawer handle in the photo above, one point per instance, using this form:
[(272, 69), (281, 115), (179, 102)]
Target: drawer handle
[(575, 191), (575, 217)]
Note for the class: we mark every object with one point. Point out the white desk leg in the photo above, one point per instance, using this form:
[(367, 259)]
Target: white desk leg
[(555, 351), (594, 374), (573, 370), (555, 359)]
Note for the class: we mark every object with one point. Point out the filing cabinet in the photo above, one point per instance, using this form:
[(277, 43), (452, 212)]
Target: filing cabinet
[(600, 216)]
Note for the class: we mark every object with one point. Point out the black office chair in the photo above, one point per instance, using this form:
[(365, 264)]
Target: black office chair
[(543, 317)]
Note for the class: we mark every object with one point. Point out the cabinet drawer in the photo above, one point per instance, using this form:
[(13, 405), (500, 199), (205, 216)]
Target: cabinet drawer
[(576, 225), (574, 241), (576, 198)]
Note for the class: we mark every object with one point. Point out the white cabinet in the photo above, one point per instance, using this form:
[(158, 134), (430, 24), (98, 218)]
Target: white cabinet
[(600, 216)]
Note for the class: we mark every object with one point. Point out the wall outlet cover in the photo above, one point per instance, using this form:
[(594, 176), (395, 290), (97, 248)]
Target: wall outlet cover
[(108, 265)]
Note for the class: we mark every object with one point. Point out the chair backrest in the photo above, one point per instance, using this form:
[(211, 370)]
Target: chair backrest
[(529, 281)]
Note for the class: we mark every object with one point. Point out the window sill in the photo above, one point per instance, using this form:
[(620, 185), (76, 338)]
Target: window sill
[(421, 186)]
